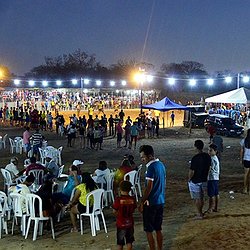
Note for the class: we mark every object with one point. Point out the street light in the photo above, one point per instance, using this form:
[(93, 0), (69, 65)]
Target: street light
[(140, 78)]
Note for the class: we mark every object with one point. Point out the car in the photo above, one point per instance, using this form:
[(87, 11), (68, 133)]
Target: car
[(224, 125)]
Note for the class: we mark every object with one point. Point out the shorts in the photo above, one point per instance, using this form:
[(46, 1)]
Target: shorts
[(212, 188), (81, 208), (134, 137), (125, 236), (246, 164), (197, 190), (152, 217)]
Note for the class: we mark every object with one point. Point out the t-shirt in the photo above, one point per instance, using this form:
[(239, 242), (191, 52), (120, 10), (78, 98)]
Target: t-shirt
[(53, 168), (23, 190), (82, 199), (100, 173), (33, 166), (214, 171), (156, 172), (246, 156), (125, 205), (70, 185), (12, 169), (200, 164)]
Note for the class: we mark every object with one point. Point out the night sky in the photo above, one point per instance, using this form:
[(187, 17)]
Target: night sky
[(212, 32)]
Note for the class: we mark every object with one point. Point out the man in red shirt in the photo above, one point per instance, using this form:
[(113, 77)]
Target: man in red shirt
[(123, 208), (33, 165)]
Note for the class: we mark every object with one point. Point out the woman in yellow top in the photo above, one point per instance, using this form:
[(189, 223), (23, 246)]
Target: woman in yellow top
[(79, 201)]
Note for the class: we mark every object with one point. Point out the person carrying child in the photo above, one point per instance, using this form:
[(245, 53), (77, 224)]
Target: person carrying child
[(123, 208)]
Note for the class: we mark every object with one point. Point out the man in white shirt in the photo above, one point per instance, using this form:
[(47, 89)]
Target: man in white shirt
[(12, 167)]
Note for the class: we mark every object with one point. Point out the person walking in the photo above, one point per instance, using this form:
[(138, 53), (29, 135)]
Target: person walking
[(197, 177), (153, 199)]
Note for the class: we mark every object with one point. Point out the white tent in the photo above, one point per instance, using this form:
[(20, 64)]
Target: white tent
[(241, 95)]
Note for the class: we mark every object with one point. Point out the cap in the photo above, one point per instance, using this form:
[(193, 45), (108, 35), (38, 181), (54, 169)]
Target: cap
[(77, 162)]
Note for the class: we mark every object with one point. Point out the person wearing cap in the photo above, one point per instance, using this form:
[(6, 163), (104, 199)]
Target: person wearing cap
[(78, 164), (123, 208), (12, 167), (51, 166)]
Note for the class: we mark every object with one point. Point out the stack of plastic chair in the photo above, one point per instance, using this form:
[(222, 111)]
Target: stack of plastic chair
[(108, 193), (59, 150), (138, 180), (12, 146), (4, 140)]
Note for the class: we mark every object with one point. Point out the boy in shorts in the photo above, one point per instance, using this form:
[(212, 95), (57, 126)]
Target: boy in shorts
[(123, 208), (213, 179)]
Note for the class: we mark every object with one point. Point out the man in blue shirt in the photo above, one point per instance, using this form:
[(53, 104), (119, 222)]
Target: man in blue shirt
[(153, 199)]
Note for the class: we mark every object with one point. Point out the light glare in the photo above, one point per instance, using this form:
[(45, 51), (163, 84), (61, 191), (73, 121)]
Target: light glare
[(192, 82), (228, 79), (210, 81), (112, 83), (245, 79), (124, 83), (58, 82), (98, 82), (16, 82), (45, 83), (31, 83), (86, 81), (74, 81), (171, 81)]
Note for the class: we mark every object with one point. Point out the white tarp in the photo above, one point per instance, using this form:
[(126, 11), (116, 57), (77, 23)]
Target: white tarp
[(241, 95)]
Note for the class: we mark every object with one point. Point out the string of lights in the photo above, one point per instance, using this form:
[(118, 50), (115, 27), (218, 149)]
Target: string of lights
[(146, 77)]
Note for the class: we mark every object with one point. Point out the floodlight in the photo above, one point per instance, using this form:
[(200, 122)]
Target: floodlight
[(149, 78), (124, 83), (98, 83), (192, 82), (45, 83), (210, 81), (74, 81), (58, 82), (86, 81), (171, 81), (31, 83), (228, 79), (112, 83), (245, 79), (16, 82)]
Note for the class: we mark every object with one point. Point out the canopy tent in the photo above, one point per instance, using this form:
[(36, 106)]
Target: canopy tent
[(241, 95), (165, 105)]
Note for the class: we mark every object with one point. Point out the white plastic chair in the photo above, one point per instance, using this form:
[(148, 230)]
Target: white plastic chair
[(59, 150), (60, 171), (18, 201), (42, 155), (38, 174), (131, 176), (97, 210), (108, 192), (38, 217), (7, 179), (12, 146), (3, 209), (138, 180), (4, 140)]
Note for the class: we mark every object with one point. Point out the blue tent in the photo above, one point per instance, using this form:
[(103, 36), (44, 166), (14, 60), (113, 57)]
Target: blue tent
[(165, 105)]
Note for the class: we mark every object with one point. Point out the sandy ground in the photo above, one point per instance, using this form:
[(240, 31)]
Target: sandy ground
[(226, 229)]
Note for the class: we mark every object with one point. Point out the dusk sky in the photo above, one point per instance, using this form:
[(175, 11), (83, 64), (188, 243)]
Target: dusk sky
[(212, 32)]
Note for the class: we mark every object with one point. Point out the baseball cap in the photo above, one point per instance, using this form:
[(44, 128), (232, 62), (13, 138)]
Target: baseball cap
[(77, 162)]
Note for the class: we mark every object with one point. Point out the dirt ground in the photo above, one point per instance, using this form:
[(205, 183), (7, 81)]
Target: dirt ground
[(226, 229)]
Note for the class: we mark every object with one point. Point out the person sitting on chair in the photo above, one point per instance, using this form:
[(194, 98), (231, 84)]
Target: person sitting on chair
[(79, 201)]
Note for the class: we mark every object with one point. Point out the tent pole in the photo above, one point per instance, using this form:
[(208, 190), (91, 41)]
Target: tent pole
[(190, 119)]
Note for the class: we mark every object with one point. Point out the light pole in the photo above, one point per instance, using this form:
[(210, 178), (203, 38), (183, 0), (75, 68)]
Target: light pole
[(141, 77)]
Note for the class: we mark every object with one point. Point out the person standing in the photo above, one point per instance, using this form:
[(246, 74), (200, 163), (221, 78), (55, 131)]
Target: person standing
[(153, 199), (172, 116), (197, 177), (245, 160), (123, 209), (213, 180), (26, 140)]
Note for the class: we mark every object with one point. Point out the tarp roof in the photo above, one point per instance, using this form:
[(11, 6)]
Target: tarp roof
[(164, 105), (241, 95)]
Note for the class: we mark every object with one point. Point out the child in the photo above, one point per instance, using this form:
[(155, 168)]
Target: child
[(213, 180), (123, 208)]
